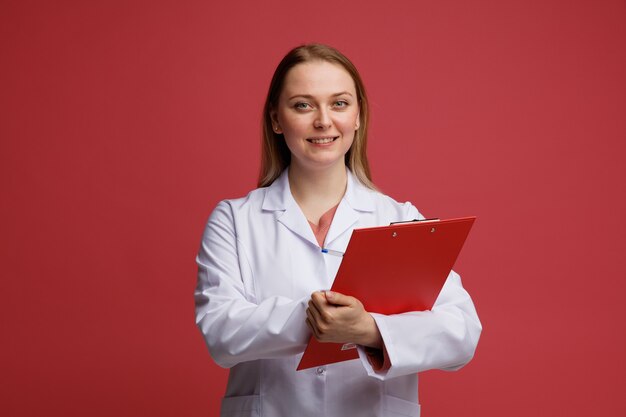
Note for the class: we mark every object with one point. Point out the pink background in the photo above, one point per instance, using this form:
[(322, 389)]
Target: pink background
[(122, 123)]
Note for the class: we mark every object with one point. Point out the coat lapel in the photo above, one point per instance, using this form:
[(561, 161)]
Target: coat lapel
[(357, 199), (294, 220), (279, 198)]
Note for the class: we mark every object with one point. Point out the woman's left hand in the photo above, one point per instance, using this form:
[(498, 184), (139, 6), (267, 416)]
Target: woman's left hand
[(339, 318)]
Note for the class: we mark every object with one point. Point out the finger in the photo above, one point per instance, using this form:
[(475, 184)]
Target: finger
[(338, 299), (319, 300), (318, 308), (314, 313), (312, 328), (325, 313), (311, 317)]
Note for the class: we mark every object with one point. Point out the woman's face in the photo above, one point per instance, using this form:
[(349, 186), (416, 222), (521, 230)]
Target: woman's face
[(318, 114)]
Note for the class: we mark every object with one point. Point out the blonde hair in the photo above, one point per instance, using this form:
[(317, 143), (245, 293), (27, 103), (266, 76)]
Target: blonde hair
[(275, 155)]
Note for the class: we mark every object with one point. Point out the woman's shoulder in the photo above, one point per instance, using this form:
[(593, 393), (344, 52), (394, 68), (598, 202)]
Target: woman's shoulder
[(252, 201), (230, 214), (396, 209), (269, 198), (381, 203)]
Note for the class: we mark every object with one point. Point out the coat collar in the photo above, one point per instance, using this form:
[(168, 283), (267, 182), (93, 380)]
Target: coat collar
[(357, 198)]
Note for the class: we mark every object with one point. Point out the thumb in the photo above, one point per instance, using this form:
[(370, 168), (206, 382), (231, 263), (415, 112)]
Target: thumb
[(336, 298)]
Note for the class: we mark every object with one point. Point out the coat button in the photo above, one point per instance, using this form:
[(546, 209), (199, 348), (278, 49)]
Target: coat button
[(321, 370)]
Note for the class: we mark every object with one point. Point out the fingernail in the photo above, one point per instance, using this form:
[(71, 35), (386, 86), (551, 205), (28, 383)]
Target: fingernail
[(329, 294)]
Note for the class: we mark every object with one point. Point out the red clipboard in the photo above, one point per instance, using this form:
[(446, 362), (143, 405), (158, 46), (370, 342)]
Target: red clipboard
[(391, 270)]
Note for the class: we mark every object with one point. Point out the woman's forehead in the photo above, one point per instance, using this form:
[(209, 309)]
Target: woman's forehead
[(318, 78)]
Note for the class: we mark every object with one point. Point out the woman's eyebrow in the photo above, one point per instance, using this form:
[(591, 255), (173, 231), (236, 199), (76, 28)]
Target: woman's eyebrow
[(309, 96)]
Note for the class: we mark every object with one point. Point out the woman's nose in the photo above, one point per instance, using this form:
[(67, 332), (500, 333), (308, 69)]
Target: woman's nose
[(322, 121)]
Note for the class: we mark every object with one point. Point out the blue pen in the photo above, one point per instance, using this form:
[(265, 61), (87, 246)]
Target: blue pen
[(332, 252)]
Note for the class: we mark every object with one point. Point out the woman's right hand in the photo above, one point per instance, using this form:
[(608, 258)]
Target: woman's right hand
[(338, 318)]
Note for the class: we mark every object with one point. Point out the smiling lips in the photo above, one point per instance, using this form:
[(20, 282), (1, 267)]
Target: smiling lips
[(322, 141)]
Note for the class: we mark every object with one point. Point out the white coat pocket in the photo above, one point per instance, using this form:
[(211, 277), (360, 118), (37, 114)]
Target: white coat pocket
[(244, 406), (397, 407)]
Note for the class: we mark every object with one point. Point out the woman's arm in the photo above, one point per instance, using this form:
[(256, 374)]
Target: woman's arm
[(234, 326), (442, 338)]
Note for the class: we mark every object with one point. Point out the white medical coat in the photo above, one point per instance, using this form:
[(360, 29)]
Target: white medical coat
[(258, 264)]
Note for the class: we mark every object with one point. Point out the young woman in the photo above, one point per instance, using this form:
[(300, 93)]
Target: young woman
[(261, 271)]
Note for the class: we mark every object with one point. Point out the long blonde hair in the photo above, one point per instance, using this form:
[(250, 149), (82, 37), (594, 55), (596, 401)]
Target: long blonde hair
[(275, 155)]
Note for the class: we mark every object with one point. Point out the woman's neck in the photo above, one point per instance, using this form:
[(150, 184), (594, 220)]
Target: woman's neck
[(317, 191)]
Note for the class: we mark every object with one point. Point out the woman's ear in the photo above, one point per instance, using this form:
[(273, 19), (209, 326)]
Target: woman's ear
[(275, 125), (358, 121)]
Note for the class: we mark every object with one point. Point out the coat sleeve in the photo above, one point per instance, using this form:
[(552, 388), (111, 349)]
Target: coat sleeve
[(442, 338), (235, 327)]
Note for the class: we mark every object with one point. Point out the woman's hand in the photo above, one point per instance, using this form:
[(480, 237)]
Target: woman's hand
[(338, 318)]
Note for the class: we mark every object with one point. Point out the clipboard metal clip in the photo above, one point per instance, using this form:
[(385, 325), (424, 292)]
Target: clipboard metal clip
[(433, 219)]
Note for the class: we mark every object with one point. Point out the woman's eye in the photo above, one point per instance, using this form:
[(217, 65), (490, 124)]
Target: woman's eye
[(341, 103), (302, 106)]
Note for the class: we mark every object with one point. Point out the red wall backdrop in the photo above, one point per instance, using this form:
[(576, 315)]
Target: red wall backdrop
[(122, 124)]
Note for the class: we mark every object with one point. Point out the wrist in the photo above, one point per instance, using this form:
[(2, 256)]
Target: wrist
[(371, 336)]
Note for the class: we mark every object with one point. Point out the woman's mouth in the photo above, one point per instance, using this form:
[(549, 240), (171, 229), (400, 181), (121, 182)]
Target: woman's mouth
[(322, 141)]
